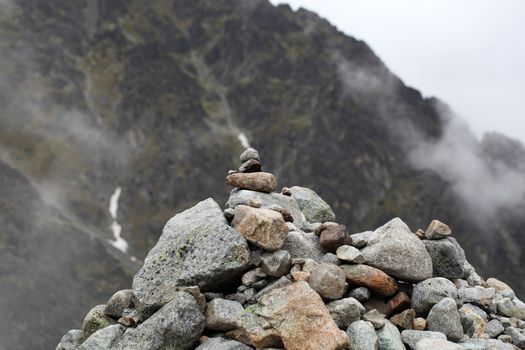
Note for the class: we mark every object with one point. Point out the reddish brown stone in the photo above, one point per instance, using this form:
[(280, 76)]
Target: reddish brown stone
[(126, 321), (261, 182), (398, 303), (242, 337), (374, 279), (420, 233), (334, 236)]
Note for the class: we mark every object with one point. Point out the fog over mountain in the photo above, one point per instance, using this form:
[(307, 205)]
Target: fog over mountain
[(158, 98)]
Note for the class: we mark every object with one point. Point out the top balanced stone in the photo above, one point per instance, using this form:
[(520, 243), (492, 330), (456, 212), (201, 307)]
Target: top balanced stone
[(249, 176)]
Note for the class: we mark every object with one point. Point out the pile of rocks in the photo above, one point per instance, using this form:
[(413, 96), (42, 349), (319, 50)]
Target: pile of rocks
[(274, 270)]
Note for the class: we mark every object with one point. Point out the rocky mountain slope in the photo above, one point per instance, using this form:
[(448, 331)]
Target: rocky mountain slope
[(273, 270), (155, 97)]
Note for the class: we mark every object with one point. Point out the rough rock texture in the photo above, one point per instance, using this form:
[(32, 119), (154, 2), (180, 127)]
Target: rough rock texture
[(71, 340), (334, 236), (303, 245), (95, 320), (345, 311), (276, 264), (394, 249), (177, 325), (118, 302), (328, 280), (404, 319), (222, 314), (437, 230), (448, 258), (370, 277), (298, 316), (240, 196), (435, 344), (105, 338), (444, 318), (222, 344), (350, 254), (362, 336), (431, 291), (264, 228), (412, 337), (197, 247), (314, 208), (389, 338), (260, 182)]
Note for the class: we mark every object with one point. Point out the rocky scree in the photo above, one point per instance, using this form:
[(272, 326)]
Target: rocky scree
[(274, 270)]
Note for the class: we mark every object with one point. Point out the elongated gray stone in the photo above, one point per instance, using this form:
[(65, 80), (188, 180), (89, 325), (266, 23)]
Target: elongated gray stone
[(197, 247)]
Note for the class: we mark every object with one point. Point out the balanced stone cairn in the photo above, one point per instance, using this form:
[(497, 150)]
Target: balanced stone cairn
[(274, 270)]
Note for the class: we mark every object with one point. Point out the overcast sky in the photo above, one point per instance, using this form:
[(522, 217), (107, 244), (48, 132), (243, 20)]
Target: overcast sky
[(469, 53)]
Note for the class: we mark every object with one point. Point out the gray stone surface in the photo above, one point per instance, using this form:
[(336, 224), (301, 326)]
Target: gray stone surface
[(390, 338), (303, 245), (71, 340), (345, 311), (494, 328), (177, 325), (362, 336), (118, 302), (222, 344), (329, 281), (281, 282), (412, 337), (240, 196), (394, 249), (350, 254), (105, 338), (197, 247), (276, 264), (330, 258), (444, 318), (361, 294), (437, 344), (248, 154), (222, 314), (95, 320), (478, 295), (510, 308), (359, 240), (448, 258), (253, 276), (518, 338), (314, 208), (431, 291), (486, 344)]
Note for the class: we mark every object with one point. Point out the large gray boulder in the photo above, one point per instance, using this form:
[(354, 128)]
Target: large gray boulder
[(394, 249), (429, 292), (240, 196), (71, 340), (197, 247), (177, 325), (390, 338), (104, 338), (448, 258), (314, 208), (444, 317)]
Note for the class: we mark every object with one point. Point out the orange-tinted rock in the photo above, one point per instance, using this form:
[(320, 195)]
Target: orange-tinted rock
[(261, 182), (298, 316), (437, 230), (374, 279), (262, 227), (398, 303)]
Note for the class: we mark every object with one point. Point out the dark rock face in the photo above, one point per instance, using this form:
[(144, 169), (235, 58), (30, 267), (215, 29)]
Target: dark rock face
[(152, 96)]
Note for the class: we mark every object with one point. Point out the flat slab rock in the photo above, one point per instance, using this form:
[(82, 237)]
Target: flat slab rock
[(197, 248), (394, 249), (260, 181), (294, 315)]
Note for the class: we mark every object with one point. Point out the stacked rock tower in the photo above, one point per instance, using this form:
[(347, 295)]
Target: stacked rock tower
[(276, 271)]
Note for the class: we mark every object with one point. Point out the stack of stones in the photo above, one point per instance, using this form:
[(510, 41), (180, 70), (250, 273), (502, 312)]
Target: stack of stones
[(274, 270)]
